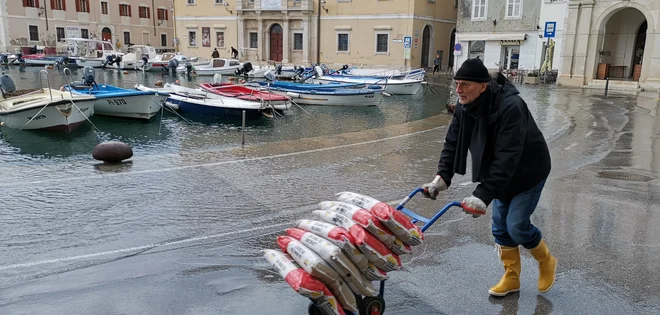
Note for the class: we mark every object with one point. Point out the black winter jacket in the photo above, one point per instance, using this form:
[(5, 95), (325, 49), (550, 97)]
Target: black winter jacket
[(509, 152)]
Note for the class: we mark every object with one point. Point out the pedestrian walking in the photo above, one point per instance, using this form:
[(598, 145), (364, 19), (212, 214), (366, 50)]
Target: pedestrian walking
[(215, 53), (511, 162), (234, 53), (437, 64)]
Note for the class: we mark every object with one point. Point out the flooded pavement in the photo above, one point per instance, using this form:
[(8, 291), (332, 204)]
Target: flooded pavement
[(179, 229)]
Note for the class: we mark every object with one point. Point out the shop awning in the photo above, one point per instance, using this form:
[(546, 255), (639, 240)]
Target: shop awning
[(502, 37)]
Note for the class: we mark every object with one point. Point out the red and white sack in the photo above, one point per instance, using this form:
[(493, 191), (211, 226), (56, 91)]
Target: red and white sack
[(372, 273), (319, 269), (394, 220), (334, 256), (301, 281), (366, 220), (361, 217), (372, 248), (337, 236)]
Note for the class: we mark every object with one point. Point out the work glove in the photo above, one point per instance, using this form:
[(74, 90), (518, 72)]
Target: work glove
[(432, 189), (474, 206)]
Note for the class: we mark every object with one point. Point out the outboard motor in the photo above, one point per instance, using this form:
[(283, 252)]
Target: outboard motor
[(269, 75), (189, 68), (319, 71), (108, 60), (88, 76), (171, 66), (6, 85), (145, 61), (19, 58), (217, 78), (244, 70), (63, 60)]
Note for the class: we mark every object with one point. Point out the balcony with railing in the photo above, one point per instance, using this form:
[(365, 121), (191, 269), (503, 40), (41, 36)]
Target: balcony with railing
[(275, 5)]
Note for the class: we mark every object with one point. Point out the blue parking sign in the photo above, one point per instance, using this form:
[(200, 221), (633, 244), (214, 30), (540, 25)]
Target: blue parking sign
[(407, 42), (550, 28)]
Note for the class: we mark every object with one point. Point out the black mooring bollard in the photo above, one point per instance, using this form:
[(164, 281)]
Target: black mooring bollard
[(607, 84)]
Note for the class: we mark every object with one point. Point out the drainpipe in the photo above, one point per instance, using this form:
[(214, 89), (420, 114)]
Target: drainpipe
[(153, 15), (46, 14), (318, 34), (577, 26)]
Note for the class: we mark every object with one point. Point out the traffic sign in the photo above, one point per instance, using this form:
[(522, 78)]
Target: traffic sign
[(550, 28)]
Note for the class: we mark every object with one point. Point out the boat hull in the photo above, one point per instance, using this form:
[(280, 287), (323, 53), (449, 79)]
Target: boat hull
[(209, 108), (134, 106), (89, 62), (327, 99), (400, 87), (59, 116)]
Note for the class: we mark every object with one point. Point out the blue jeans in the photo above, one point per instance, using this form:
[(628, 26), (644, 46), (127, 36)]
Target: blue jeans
[(511, 224)]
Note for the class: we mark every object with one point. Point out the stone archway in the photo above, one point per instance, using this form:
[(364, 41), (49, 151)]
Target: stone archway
[(276, 42), (106, 34), (450, 51), (621, 46), (427, 48)]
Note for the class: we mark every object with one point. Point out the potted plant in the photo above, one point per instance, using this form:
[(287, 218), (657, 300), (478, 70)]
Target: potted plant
[(531, 78)]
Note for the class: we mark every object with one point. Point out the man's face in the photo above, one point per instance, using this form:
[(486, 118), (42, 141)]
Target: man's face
[(469, 91)]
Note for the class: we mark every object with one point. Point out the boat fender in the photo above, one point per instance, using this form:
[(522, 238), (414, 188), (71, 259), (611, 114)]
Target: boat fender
[(292, 94), (112, 152), (387, 94)]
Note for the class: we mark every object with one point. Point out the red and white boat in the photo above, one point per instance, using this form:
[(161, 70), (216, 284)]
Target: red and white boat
[(247, 93)]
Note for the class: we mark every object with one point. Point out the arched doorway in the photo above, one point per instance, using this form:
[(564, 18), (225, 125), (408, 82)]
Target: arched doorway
[(276, 42), (426, 46), (621, 52), (452, 42), (106, 34)]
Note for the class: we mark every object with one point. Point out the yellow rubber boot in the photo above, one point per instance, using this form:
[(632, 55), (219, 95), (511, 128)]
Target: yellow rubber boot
[(547, 266), (510, 282)]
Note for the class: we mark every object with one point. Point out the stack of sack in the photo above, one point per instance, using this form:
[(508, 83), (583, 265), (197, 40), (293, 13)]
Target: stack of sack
[(355, 241)]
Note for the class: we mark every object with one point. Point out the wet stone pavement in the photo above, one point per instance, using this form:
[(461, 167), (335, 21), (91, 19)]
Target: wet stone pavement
[(182, 234)]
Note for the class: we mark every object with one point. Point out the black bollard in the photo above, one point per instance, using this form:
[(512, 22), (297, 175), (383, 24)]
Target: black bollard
[(607, 84)]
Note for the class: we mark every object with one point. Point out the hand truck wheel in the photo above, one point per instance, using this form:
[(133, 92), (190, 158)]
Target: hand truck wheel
[(372, 306)]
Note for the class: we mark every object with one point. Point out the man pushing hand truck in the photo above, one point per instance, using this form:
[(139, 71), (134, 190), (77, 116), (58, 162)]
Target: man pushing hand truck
[(511, 162)]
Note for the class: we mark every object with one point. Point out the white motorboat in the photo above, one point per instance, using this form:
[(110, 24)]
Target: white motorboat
[(142, 56), (44, 109), (222, 66), (97, 54)]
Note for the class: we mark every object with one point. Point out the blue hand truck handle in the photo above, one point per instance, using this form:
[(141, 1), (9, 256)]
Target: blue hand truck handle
[(418, 218)]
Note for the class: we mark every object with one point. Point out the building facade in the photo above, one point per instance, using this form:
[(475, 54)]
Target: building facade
[(611, 39), (505, 34), (367, 33), (44, 23)]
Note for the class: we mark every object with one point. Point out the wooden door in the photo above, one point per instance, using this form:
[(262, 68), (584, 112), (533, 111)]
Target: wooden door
[(276, 43)]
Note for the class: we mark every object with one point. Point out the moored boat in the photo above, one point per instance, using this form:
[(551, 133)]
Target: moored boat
[(44, 109)]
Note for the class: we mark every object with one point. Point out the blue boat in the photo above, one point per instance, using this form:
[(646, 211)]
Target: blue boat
[(115, 101)]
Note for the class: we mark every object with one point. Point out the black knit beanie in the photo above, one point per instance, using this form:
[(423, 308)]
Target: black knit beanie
[(472, 70)]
